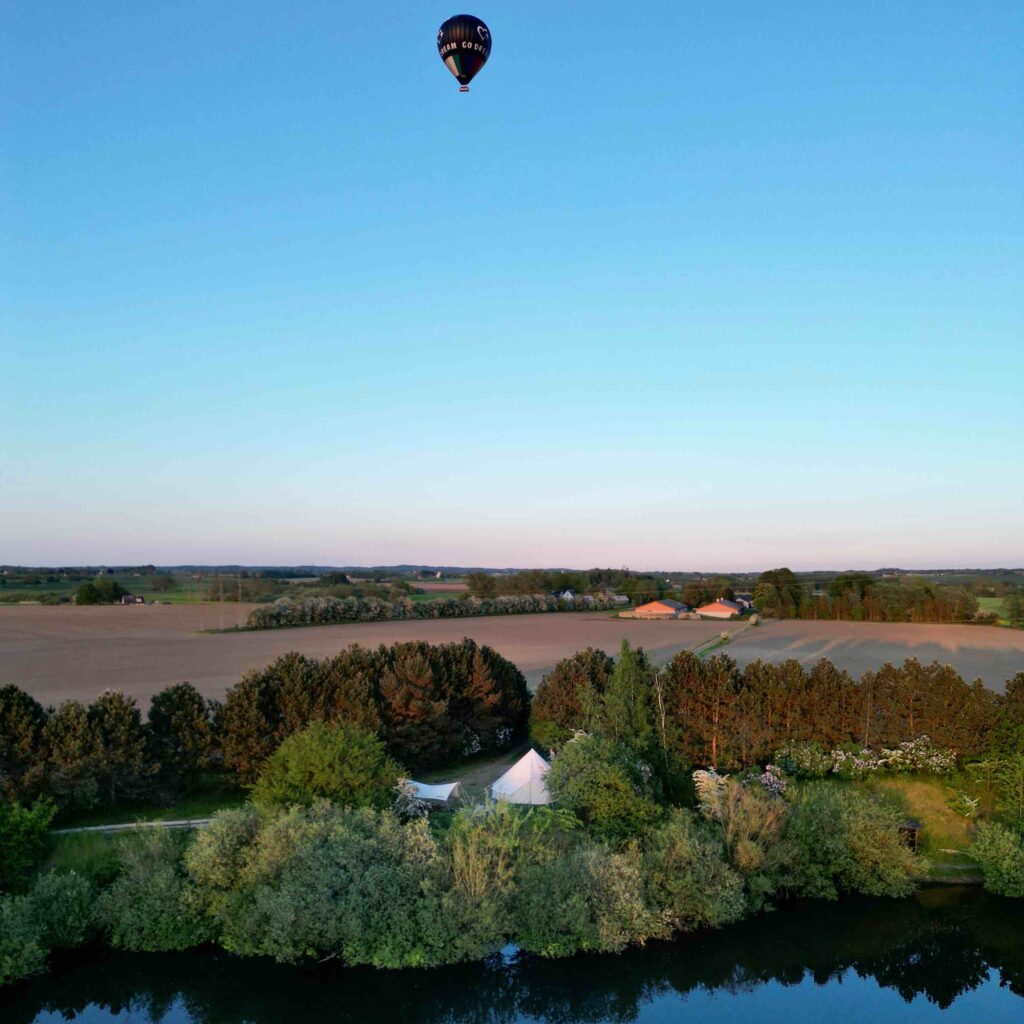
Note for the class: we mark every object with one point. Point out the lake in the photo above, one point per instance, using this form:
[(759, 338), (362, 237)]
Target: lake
[(952, 954)]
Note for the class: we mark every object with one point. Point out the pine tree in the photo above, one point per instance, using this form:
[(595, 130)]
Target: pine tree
[(120, 746), (483, 700), (415, 720), (180, 734), (22, 720), (567, 696), (71, 763), (626, 713), (248, 725)]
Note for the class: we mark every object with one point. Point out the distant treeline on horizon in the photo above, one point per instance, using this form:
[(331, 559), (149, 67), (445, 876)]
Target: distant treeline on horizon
[(463, 570)]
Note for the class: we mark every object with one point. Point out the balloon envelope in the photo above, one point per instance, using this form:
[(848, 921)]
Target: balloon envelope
[(464, 43)]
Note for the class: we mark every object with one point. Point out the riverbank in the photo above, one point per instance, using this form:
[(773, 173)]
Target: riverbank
[(860, 959)]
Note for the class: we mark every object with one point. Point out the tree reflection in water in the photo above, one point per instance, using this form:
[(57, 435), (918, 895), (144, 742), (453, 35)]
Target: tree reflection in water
[(940, 944)]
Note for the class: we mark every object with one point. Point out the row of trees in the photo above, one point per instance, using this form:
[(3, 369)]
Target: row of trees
[(638, 587), (712, 713), (104, 752), (428, 704), (862, 597), (318, 611)]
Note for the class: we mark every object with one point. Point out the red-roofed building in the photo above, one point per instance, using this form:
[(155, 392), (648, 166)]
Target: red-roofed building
[(664, 609), (721, 609)]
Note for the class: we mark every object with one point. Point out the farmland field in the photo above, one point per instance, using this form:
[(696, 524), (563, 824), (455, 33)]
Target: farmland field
[(63, 652), (990, 653), (440, 586)]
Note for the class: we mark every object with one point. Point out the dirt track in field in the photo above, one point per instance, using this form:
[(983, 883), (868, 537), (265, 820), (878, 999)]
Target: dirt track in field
[(60, 653)]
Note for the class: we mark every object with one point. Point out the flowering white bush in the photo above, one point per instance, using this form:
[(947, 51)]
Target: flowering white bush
[(773, 780), (920, 755), (808, 761), (854, 765), (408, 806), (471, 745), (804, 760)]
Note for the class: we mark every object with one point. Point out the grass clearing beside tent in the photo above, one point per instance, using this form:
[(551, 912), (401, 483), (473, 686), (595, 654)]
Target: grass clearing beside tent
[(198, 805)]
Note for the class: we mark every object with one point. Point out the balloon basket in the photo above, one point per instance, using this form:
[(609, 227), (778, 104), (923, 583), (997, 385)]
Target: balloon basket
[(463, 88)]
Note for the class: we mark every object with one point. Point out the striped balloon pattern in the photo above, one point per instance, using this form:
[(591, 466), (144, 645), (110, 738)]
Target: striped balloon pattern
[(464, 43)]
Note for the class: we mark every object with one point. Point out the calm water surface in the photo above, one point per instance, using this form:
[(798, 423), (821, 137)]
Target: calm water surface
[(950, 955)]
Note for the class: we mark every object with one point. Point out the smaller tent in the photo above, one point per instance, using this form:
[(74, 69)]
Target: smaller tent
[(435, 794), (524, 782)]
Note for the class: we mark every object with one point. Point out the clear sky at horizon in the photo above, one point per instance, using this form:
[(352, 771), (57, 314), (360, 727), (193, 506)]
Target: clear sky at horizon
[(673, 286)]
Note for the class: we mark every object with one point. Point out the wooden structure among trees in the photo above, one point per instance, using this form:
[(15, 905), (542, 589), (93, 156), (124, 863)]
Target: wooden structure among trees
[(910, 832)]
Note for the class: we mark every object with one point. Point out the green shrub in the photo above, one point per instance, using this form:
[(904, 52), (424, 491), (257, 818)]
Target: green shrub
[(100, 591), (146, 908), (324, 880), (22, 952), (24, 840), (587, 901), (1000, 852), (93, 855), (484, 846), (341, 763), (842, 841), (217, 856), (749, 819), (606, 786), (688, 882), (62, 909)]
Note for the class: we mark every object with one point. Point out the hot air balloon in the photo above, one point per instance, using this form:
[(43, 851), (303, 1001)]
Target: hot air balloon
[(464, 43)]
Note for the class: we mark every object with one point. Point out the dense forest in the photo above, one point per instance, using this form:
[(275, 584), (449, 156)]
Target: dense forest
[(429, 703)]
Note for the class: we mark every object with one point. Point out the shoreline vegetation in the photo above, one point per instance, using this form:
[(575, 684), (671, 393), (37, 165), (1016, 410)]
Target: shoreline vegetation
[(683, 798)]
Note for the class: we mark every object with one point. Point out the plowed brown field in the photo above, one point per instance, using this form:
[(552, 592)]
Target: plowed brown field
[(59, 653)]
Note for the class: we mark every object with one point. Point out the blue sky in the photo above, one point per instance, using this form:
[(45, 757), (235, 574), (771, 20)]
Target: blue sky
[(690, 288)]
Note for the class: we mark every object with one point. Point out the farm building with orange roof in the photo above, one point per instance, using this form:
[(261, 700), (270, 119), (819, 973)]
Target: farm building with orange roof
[(664, 609), (721, 609)]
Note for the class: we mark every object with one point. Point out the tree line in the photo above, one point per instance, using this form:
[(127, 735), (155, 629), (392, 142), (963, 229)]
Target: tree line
[(861, 597), (319, 611), (638, 587), (429, 704), (713, 713)]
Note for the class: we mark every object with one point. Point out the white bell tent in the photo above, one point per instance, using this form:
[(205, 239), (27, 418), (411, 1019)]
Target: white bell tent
[(524, 782)]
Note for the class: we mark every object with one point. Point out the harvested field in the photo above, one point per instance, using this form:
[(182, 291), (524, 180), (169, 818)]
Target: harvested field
[(64, 652), (986, 652)]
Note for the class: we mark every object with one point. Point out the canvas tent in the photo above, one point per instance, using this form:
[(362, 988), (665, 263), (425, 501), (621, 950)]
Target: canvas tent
[(524, 783), (435, 794)]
